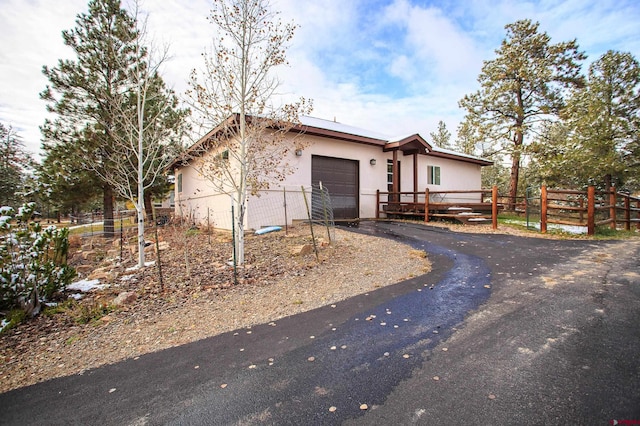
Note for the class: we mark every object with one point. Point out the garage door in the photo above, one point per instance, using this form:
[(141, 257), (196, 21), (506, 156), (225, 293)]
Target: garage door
[(340, 177)]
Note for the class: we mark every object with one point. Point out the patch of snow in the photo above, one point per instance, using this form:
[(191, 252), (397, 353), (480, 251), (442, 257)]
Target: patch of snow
[(86, 285), (572, 229), (136, 267), (3, 324), (76, 296), (86, 224)]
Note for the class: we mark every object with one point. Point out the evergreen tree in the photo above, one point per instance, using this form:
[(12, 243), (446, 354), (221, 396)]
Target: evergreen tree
[(442, 137), (523, 86), (468, 137), (81, 91), (605, 117), (597, 142), (65, 184), (15, 162)]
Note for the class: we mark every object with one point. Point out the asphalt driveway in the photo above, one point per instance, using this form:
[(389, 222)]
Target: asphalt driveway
[(504, 330)]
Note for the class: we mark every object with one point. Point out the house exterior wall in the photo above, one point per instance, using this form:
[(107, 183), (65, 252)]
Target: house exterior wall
[(454, 175), (197, 198), (197, 202)]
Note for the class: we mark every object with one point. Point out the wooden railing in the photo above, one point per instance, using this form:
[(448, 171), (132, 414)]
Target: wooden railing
[(588, 208), (468, 206)]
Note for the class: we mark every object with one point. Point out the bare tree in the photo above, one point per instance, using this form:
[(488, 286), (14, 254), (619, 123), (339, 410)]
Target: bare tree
[(234, 94), (146, 129)]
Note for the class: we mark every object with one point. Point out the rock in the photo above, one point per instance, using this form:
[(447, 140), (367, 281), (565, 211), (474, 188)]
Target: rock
[(101, 274), (106, 319), (88, 254), (125, 298), (302, 250), (83, 269)]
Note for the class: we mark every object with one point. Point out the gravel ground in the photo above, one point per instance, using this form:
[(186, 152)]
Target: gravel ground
[(198, 299)]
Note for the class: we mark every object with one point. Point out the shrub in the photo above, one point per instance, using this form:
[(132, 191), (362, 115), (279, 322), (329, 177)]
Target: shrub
[(33, 260)]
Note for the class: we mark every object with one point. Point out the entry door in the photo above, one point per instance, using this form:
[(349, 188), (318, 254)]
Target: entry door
[(340, 177)]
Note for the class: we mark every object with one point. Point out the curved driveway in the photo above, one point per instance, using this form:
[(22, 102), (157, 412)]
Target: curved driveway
[(504, 330)]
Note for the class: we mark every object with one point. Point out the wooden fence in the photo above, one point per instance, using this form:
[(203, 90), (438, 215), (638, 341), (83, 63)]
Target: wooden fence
[(588, 208)]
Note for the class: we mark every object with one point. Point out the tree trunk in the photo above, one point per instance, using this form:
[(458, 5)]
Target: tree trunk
[(608, 181), (107, 209), (513, 180), (148, 204)]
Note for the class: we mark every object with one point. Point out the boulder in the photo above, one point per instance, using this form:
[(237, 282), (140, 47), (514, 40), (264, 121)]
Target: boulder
[(302, 250), (125, 298)]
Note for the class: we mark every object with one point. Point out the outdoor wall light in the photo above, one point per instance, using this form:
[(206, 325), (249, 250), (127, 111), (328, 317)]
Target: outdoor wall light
[(298, 152), (372, 161)]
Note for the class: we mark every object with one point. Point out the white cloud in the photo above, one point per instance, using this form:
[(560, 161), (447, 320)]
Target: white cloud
[(31, 36), (395, 69)]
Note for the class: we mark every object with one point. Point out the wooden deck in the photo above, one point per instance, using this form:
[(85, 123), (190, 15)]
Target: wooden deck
[(469, 213), (464, 212)]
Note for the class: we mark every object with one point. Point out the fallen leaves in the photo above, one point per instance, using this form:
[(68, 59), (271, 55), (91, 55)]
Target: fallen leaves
[(268, 287)]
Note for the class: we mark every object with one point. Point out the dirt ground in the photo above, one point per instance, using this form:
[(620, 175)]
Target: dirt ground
[(198, 297)]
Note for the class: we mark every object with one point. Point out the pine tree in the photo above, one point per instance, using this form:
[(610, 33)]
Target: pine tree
[(442, 137), (15, 162), (600, 130), (605, 118), (81, 91), (522, 87)]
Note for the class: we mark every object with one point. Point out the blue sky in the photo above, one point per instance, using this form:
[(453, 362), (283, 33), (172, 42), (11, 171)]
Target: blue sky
[(391, 66)]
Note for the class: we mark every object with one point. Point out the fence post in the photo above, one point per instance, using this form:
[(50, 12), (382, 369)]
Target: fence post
[(494, 207), (426, 205), (627, 212), (612, 207), (313, 238), (591, 210), (377, 204), (581, 201), (543, 209), (286, 219)]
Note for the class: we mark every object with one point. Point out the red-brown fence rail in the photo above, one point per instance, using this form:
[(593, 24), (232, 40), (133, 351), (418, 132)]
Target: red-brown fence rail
[(588, 208), (467, 206)]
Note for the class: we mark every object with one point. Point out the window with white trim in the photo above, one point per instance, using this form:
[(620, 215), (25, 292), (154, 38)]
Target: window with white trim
[(179, 182), (433, 175), (390, 175)]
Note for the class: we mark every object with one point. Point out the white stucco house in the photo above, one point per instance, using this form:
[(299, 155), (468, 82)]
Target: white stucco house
[(352, 163)]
